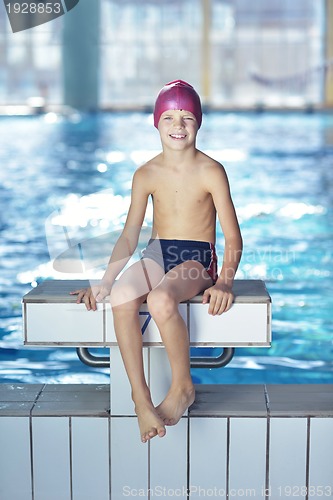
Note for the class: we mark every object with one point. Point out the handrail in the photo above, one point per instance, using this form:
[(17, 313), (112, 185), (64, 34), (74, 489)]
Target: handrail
[(213, 362), (91, 360), (196, 361)]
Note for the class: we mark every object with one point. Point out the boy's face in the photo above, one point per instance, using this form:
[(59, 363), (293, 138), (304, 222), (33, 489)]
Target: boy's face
[(178, 127)]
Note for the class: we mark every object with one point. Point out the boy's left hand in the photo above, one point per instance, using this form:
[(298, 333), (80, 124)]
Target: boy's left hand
[(220, 298)]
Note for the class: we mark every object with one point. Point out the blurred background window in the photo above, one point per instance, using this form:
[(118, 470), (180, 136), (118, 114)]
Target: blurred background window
[(145, 44), (30, 63), (237, 53)]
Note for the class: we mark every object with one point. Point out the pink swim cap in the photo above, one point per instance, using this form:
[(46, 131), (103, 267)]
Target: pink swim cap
[(178, 95)]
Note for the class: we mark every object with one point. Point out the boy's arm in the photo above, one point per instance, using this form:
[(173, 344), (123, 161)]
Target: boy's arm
[(128, 240), (220, 295), (125, 245)]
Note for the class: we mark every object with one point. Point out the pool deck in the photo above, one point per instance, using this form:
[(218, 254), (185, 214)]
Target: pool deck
[(218, 400), (61, 442)]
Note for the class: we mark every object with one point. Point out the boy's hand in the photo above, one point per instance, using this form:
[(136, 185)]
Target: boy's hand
[(90, 296), (220, 298)]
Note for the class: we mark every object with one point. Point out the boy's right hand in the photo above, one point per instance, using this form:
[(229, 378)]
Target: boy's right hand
[(90, 296)]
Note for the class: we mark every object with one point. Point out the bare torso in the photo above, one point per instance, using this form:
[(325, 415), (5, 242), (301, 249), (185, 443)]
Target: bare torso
[(183, 207)]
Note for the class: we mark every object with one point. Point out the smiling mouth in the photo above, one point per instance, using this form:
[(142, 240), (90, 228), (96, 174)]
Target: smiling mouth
[(177, 136)]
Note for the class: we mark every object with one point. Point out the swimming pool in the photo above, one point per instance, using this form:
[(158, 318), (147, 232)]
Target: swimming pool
[(280, 170)]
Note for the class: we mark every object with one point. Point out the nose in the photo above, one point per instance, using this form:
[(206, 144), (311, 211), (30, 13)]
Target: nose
[(179, 122)]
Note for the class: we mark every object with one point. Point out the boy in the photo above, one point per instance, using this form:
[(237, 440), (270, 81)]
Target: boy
[(187, 188)]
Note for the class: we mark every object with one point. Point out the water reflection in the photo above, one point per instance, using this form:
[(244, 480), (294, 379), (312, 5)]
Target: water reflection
[(75, 173)]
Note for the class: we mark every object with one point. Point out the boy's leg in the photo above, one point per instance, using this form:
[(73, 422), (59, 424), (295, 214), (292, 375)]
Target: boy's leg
[(127, 295), (181, 283)]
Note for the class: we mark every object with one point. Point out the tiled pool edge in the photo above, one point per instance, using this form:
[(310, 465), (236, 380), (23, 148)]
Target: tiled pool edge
[(222, 400), (59, 440)]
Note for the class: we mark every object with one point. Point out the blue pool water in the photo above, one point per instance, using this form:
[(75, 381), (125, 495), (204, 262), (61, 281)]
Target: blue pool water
[(280, 171)]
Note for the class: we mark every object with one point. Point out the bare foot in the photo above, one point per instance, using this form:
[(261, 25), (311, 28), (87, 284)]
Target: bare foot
[(174, 405), (150, 423)]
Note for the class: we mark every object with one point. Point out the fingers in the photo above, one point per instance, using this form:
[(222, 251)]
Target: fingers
[(90, 296), (220, 305), (206, 295), (90, 301), (86, 296), (80, 294), (220, 301)]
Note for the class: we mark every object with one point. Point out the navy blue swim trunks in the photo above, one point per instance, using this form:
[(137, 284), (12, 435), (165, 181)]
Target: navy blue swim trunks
[(170, 253)]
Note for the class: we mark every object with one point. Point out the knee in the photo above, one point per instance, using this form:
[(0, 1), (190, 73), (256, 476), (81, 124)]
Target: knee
[(161, 305)]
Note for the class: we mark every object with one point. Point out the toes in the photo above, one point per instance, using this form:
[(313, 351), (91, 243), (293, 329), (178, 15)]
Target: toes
[(152, 433), (147, 436), (161, 432)]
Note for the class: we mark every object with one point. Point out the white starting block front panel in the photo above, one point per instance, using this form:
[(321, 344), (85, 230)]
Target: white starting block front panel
[(52, 317), (150, 333), (243, 324), (63, 324)]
